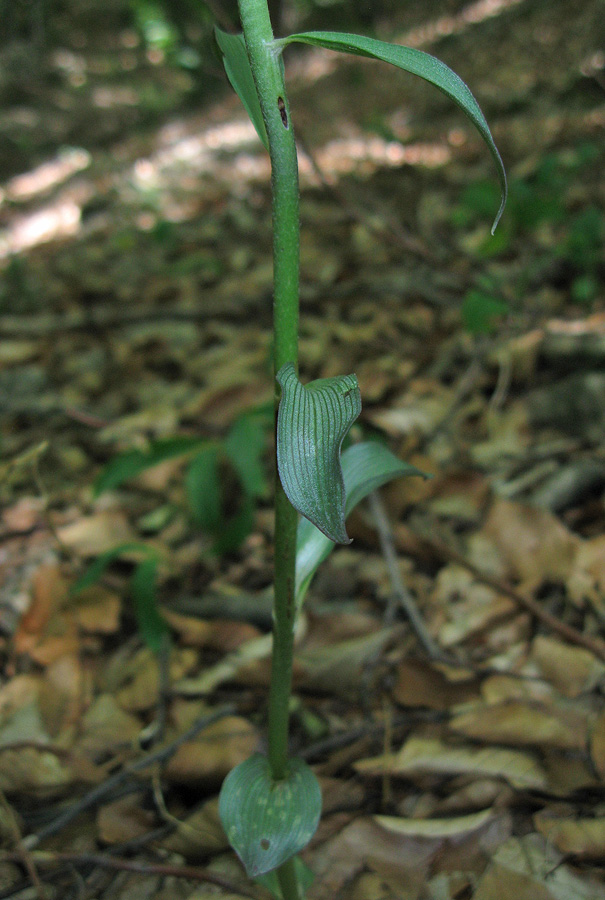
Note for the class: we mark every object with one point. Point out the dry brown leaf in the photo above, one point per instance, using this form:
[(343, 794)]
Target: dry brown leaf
[(523, 723), (439, 829), (422, 683), (63, 693), (459, 841), (209, 894), (597, 745), (54, 647), (420, 756), (250, 653), (533, 542), (124, 819), (208, 759), (466, 605), (106, 727), (338, 793), (362, 843), (24, 514), (369, 886), (17, 692), (98, 533), (496, 688), (222, 635), (500, 883), (340, 667), (582, 837), (141, 693), (474, 793), (199, 834), (460, 495), (587, 579), (49, 593), (32, 771), (572, 670), (534, 857), (568, 773), (98, 610)]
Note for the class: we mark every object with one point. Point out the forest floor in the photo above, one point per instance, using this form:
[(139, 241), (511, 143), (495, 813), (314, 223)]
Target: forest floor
[(462, 760)]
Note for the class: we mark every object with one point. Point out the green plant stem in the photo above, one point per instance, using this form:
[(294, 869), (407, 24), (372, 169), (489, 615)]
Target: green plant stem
[(288, 882), (268, 77)]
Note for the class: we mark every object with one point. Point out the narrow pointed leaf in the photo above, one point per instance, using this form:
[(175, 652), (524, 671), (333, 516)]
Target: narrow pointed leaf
[(131, 463), (96, 569), (143, 587), (266, 821), (203, 488), (417, 63), (244, 446), (312, 422), (366, 467), (239, 73)]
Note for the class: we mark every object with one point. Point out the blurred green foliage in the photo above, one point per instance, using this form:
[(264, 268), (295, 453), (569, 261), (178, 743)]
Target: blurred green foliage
[(543, 211)]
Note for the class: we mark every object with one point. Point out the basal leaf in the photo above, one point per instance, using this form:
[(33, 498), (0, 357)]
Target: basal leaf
[(131, 463), (418, 63), (366, 467), (312, 422), (239, 73), (267, 821)]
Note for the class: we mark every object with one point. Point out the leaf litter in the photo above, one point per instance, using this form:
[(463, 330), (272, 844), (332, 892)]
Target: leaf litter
[(475, 773)]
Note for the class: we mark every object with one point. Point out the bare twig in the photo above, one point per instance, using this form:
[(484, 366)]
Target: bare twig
[(108, 861), (22, 854), (402, 596), (566, 631), (98, 793)]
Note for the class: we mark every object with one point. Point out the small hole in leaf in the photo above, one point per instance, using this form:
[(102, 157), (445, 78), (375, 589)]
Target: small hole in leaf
[(265, 844)]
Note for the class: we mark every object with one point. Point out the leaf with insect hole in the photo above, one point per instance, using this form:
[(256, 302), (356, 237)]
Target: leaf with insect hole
[(417, 63), (239, 73), (268, 821)]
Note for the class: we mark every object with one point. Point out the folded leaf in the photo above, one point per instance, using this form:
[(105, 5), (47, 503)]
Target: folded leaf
[(239, 73), (312, 422), (418, 63), (366, 467)]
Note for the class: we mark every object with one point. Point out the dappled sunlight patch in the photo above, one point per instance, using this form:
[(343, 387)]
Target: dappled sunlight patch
[(445, 26), (48, 175), (59, 220)]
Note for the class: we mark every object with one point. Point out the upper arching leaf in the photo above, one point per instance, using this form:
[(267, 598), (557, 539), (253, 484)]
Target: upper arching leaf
[(418, 63)]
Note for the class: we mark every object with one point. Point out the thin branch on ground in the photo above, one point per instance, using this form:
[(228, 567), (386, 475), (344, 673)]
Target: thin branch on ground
[(23, 855), (101, 791), (401, 595), (106, 861), (568, 632)]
